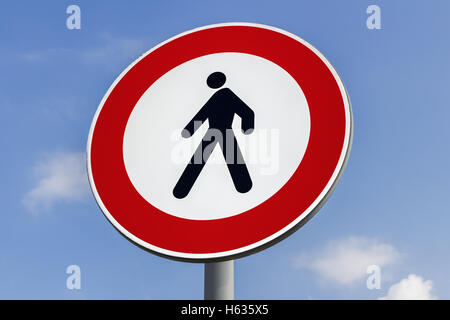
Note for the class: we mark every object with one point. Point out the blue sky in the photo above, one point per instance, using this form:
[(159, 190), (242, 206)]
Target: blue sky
[(391, 207)]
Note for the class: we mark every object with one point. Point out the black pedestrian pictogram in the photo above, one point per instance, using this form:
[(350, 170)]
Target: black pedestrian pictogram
[(219, 110)]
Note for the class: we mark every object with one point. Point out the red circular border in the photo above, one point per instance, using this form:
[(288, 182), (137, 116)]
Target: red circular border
[(157, 228)]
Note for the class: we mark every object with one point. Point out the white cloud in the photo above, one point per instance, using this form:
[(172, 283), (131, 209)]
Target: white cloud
[(411, 288), (44, 55), (114, 49), (61, 178), (345, 261), (110, 51)]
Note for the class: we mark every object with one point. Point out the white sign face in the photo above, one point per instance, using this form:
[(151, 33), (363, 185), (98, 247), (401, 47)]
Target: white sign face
[(219, 142), (154, 150)]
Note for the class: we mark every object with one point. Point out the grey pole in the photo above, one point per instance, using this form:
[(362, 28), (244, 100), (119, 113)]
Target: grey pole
[(219, 280)]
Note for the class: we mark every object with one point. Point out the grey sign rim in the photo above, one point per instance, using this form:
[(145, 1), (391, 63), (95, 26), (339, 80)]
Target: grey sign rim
[(268, 243)]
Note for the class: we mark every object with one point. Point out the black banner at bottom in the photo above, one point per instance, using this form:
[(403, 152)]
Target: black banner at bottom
[(199, 309)]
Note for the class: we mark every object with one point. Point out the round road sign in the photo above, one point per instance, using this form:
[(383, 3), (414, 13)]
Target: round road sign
[(219, 142)]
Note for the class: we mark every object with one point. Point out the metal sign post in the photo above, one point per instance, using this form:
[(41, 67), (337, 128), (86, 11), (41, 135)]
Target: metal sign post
[(219, 280)]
